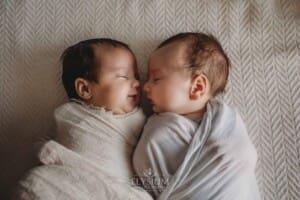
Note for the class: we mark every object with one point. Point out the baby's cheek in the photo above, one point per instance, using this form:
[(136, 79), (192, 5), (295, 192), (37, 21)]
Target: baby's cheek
[(118, 93)]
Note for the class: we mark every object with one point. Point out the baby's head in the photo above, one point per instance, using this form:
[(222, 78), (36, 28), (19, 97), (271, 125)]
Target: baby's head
[(101, 72), (185, 71)]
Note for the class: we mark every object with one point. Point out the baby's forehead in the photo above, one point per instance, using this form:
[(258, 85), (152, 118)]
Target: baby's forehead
[(172, 55), (179, 47), (103, 49), (107, 51), (109, 57)]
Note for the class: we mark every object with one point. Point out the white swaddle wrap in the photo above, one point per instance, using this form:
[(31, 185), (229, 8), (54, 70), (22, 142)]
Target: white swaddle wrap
[(91, 158), (178, 159)]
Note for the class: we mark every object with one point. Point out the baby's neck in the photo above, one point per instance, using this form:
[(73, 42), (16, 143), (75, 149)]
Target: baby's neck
[(196, 115)]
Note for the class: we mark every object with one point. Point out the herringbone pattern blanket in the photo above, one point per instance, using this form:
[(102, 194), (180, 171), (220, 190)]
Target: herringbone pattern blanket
[(262, 38)]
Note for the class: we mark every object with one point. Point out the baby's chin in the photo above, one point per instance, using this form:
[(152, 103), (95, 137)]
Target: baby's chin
[(122, 111), (159, 110)]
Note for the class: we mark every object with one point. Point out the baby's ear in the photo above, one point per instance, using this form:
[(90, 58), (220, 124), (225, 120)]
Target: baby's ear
[(200, 86), (83, 88)]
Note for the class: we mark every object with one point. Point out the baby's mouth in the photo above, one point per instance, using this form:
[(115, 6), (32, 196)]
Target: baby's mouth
[(134, 97), (150, 101)]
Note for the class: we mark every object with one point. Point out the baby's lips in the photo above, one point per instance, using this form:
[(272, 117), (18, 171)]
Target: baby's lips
[(150, 101), (133, 95)]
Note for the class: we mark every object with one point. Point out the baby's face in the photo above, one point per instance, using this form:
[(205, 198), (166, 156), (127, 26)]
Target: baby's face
[(169, 80), (117, 89)]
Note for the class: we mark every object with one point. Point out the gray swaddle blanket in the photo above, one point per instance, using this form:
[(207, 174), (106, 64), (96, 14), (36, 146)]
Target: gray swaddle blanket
[(91, 158), (178, 159)]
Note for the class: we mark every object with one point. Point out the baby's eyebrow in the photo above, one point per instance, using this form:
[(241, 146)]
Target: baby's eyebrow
[(155, 72), (125, 71), (120, 69)]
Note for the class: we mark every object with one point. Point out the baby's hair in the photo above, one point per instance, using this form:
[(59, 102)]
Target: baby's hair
[(79, 62), (205, 55)]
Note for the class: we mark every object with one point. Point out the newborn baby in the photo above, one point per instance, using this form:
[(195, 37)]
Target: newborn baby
[(193, 147), (96, 130)]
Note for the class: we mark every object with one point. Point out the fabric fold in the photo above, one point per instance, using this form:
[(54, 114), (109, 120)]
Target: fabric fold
[(90, 159), (217, 161)]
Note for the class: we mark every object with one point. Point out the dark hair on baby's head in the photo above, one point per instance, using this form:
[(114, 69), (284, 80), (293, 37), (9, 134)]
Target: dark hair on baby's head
[(79, 62), (206, 55)]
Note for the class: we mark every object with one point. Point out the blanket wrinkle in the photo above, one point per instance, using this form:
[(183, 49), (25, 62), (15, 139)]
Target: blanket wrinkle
[(217, 161), (90, 158)]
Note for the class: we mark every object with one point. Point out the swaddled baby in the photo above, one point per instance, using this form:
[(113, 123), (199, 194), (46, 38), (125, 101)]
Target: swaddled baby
[(193, 147), (96, 130)]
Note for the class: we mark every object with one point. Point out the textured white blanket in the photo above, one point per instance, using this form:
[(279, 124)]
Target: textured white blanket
[(261, 38), (213, 160), (92, 158)]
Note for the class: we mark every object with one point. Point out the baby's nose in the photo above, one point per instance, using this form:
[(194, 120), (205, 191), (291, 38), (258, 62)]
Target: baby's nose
[(136, 83), (146, 87)]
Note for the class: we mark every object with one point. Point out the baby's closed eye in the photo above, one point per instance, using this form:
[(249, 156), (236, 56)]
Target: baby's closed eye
[(156, 80), (123, 76)]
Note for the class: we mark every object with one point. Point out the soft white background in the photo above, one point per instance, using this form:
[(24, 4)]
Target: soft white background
[(261, 37)]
